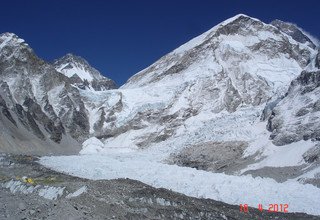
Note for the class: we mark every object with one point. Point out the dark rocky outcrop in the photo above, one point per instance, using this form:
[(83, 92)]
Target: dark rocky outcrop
[(211, 156), (38, 98), (293, 31), (318, 60), (296, 117)]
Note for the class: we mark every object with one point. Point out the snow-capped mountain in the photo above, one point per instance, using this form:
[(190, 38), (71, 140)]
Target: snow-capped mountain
[(226, 92), (214, 96), (242, 98), (82, 74), (239, 64)]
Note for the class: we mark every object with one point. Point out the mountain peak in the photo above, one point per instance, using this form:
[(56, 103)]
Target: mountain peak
[(238, 17), (11, 39), (8, 35), (82, 73), (230, 47), (236, 21), (71, 65), (72, 58)]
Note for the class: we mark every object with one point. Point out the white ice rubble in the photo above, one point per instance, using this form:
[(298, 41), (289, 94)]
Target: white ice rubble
[(78, 192), (47, 192), (189, 181)]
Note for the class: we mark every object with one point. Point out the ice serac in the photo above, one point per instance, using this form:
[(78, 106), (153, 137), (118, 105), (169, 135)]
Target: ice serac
[(82, 74), (41, 112)]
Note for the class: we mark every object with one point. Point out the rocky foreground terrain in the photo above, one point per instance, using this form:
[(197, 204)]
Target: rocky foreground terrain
[(45, 194)]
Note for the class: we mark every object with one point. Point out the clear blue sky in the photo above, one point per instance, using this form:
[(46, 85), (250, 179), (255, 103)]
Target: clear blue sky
[(119, 37)]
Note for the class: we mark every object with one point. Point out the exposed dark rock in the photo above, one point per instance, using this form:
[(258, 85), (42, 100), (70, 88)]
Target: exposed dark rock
[(310, 80), (103, 84), (267, 111), (301, 121), (52, 126), (80, 127), (238, 26), (312, 155), (211, 156), (5, 111), (318, 60), (293, 31)]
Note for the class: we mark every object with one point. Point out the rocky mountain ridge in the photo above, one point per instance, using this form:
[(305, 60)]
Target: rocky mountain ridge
[(40, 106)]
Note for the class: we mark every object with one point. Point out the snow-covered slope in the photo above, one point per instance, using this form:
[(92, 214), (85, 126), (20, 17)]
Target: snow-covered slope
[(82, 74)]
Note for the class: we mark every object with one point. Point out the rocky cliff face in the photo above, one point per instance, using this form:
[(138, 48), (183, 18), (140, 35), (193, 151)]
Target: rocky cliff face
[(37, 102), (297, 116), (318, 60), (294, 32)]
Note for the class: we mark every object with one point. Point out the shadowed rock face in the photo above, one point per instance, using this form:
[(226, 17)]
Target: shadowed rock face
[(296, 117), (5, 111), (293, 31), (34, 112), (36, 97), (318, 61)]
